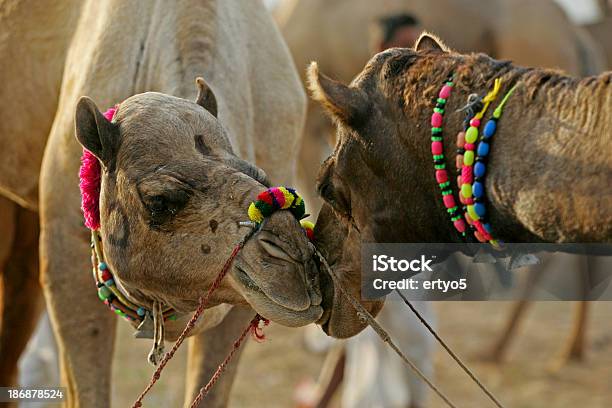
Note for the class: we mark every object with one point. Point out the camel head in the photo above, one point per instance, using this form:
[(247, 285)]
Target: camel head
[(172, 196), (367, 181)]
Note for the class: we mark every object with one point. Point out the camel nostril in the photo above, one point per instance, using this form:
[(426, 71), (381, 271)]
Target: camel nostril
[(274, 250)]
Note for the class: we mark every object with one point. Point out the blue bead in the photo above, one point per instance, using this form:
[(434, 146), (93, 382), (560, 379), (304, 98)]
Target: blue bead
[(480, 169), (487, 227), (109, 283), (483, 149), (489, 129), (141, 311), (102, 266), (480, 209), (477, 189)]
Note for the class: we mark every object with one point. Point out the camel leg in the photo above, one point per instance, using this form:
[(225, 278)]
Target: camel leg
[(20, 300), (83, 326), (331, 383), (499, 352), (207, 350), (574, 351)]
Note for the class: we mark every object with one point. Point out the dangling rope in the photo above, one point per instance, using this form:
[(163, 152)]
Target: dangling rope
[(196, 315), (366, 316), (449, 350)]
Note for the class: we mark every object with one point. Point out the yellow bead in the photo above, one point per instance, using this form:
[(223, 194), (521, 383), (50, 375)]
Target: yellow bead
[(468, 158), (471, 135), (472, 212), (466, 190), (307, 224)]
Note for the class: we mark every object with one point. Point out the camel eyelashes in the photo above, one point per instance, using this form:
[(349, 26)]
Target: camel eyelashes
[(162, 208)]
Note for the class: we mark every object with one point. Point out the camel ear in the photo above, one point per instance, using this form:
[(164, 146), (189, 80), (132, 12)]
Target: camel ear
[(206, 97), (94, 132), (346, 104), (429, 42)]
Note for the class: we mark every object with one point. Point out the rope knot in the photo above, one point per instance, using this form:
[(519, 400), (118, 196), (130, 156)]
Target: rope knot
[(257, 330)]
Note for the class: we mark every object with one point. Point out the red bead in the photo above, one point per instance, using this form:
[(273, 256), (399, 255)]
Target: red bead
[(445, 92), (466, 175), (460, 139), (475, 122), (469, 146), (436, 120), (479, 236), (460, 225), (436, 147), (469, 201), (441, 176), (106, 275), (449, 201)]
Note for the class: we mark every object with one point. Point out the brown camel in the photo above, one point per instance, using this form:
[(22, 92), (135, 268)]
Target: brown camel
[(342, 36), (399, 204), (175, 182), (505, 29)]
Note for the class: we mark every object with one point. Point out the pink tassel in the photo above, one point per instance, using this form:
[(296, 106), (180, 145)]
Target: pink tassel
[(89, 176)]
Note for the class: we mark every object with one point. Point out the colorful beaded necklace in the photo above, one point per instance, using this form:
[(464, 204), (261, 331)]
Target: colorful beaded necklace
[(476, 212), (471, 159), (465, 166), (437, 150)]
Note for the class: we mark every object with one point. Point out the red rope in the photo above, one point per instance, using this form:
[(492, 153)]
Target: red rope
[(253, 327), (192, 322)]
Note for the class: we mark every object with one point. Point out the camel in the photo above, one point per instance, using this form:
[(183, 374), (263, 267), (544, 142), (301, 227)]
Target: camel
[(176, 177), (505, 29), (397, 86), (342, 36)]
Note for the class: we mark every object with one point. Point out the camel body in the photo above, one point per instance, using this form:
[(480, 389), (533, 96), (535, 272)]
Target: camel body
[(110, 51)]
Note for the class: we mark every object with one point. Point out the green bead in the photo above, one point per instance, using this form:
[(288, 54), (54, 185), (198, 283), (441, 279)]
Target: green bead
[(445, 184), (449, 83), (435, 130), (466, 190), (472, 212), (438, 156), (440, 166), (103, 292), (446, 192), (172, 317), (436, 138), (468, 158), (471, 135), (456, 218), (441, 101), (438, 110)]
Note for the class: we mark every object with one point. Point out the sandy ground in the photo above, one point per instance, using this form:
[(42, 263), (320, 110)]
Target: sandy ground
[(269, 371)]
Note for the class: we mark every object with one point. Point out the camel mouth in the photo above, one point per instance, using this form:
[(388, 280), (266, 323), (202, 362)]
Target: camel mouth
[(276, 306)]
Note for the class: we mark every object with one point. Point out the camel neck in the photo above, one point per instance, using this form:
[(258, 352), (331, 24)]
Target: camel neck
[(551, 162)]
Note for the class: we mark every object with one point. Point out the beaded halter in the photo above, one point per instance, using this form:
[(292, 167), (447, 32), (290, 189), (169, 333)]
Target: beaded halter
[(471, 160)]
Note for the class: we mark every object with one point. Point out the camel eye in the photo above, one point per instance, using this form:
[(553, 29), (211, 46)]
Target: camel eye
[(334, 198), (162, 208)]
